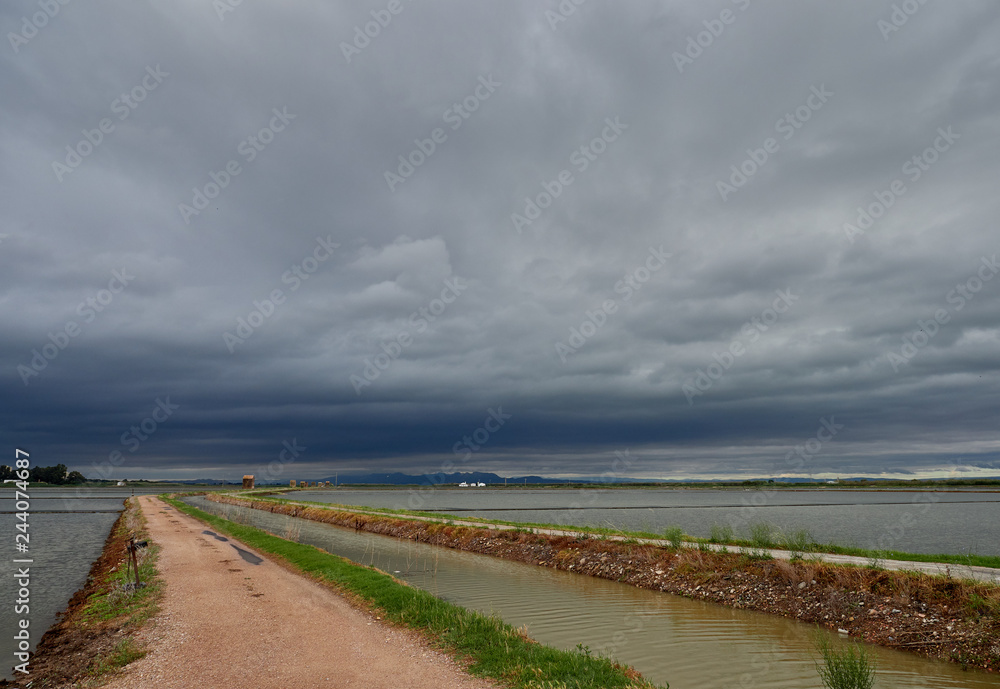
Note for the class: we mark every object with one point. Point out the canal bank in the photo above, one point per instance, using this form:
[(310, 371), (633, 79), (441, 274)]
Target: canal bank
[(96, 633), (228, 617), (939, 617)]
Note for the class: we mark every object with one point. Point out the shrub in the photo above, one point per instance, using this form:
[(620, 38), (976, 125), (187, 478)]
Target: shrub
[(721, 533), (851, 667), (763, 534), (798, 543), (675, 535)]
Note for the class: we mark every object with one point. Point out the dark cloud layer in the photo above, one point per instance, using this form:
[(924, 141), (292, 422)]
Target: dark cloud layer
[(398, 191)]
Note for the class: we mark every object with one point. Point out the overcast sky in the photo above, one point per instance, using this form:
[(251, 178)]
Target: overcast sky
[(517, 237)]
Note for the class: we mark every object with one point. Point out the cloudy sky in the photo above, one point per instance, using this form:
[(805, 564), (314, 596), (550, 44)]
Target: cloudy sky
[(515, 237)]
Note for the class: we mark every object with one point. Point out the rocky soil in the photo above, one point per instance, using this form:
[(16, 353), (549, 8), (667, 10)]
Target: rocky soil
[(935, 616)]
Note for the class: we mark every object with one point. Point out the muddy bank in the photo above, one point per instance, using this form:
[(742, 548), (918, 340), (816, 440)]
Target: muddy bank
[(67, 651), (939, 617)]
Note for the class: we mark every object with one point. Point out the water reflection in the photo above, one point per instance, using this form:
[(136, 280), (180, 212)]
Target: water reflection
[(690, 644)]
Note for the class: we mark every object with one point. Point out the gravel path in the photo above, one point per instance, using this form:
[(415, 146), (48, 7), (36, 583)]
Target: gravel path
[(226, 622)]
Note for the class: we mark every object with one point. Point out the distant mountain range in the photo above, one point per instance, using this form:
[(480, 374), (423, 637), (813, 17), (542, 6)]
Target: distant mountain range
[(491, 479)]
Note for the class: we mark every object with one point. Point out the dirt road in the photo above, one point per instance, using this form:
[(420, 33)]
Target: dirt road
[(233, 619)]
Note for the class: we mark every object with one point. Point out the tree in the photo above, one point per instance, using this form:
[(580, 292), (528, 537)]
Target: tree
[(55, 474), (75, 477)]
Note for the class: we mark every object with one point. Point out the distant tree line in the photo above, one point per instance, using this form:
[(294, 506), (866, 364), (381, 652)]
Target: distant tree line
[(57, 475)]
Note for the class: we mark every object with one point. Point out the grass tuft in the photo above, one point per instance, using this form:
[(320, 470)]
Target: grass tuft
[(489, 646), (124, 652), (721, 533), (763, 535), (851, 667), (675, 535)]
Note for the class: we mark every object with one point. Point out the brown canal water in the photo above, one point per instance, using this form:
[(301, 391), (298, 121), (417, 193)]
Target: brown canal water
[(690, 644)]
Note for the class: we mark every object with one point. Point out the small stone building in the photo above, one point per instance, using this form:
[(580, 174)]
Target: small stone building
[(248, 481), (291, 484)]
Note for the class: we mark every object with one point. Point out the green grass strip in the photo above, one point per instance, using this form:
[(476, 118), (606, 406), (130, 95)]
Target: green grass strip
[(491, 647), (969, 560)]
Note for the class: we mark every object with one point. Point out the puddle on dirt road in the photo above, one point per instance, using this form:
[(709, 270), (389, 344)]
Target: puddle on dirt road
[(690, 644), (247, 555)]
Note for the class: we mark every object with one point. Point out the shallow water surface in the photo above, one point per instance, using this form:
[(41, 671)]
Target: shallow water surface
[(690, 644), (67, 528), (957, 522)]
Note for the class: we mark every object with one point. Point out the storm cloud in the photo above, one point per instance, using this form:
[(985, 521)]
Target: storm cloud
[(693, 231)]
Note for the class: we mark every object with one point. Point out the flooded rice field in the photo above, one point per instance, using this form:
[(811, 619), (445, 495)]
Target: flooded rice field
[(959, 522), (690, 644)]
